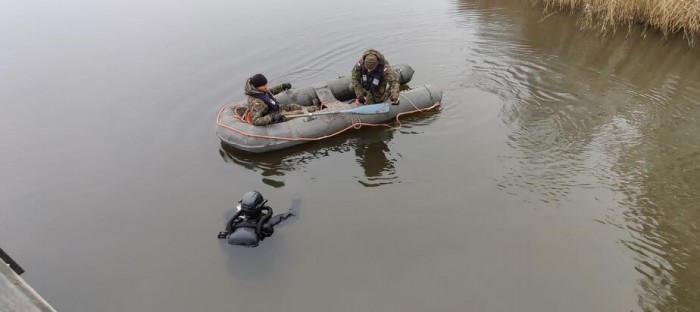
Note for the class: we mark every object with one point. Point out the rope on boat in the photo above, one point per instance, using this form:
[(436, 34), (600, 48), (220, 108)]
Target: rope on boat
[(354, 125)]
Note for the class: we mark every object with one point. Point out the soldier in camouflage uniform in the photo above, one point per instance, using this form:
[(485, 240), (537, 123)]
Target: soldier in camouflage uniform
[(373, 79), (264, 108)]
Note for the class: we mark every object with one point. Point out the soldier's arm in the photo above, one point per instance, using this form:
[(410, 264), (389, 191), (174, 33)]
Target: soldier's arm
[(280, 88), (393, 81), (356, 85), (257, 113), (276, 89)]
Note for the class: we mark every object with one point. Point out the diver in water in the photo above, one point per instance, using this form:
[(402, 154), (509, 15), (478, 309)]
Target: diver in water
[(254, 220)]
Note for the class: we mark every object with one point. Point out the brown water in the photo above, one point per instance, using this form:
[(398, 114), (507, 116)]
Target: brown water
[(561, 173)]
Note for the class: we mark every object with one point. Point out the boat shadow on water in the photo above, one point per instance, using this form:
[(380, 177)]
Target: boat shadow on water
[(370, 145), (371, 148)]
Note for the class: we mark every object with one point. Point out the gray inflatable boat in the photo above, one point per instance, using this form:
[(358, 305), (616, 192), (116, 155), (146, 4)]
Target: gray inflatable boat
[(335, 96)]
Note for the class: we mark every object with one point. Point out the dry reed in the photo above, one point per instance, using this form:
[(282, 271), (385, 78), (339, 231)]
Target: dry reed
[(670, 17)]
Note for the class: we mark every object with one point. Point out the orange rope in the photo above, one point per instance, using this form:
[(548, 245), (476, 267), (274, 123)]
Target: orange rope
[(355, 125), (417, 110), (245, 117)]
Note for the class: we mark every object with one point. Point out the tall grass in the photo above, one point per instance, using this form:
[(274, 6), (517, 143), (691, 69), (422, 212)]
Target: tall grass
[(670, 17)]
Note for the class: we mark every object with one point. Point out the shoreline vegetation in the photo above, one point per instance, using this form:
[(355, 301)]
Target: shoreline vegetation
[(669, 17)]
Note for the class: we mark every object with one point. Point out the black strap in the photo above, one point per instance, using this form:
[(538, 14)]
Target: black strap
[(4, 257)]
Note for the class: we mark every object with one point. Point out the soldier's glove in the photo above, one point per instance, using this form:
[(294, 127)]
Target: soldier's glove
[(394, 100), (362, 99), (286, 86), (277, 117)]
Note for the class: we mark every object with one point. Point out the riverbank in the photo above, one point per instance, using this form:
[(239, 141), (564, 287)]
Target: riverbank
[(669, 17)]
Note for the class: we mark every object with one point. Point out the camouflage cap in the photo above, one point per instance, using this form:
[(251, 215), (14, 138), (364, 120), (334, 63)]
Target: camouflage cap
[(371, 62)]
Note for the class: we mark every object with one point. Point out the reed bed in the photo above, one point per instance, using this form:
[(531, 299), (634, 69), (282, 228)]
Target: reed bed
[(670, 17)]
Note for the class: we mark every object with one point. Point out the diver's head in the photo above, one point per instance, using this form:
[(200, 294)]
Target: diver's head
[(252, 202)]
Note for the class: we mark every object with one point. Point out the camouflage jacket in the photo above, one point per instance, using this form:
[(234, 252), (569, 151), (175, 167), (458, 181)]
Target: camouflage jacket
[(388, 84), (260, 112)]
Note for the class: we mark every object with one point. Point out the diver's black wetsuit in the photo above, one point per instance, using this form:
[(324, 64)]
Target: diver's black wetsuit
[(253, 223)]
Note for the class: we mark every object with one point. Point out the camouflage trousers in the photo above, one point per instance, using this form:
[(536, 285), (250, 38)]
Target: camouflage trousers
[(295, 109), (375, 97)]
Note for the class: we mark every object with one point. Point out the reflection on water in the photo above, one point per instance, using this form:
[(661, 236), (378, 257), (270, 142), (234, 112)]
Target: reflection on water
[(371, 147), (662, 176), (621, 112), (371, 153)]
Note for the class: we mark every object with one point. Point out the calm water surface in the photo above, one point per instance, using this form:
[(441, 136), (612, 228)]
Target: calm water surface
[(560, 174)]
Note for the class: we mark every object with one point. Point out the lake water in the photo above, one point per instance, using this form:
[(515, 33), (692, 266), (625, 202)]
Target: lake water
[(560, 174)]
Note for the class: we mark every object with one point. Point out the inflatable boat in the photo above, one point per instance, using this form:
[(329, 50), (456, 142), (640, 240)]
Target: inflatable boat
[(338, 114)]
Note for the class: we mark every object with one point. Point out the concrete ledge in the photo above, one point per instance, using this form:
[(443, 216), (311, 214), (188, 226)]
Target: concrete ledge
[(16, 295)]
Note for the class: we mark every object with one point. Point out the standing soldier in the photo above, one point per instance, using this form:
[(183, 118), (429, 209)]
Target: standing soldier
[(373, 80)]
